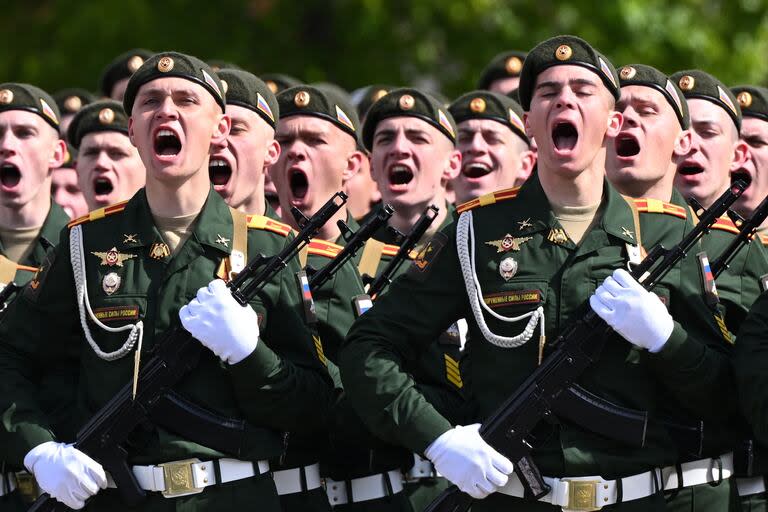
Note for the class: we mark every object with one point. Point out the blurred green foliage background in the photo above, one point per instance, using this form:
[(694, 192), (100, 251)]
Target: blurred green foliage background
[(443, 44)]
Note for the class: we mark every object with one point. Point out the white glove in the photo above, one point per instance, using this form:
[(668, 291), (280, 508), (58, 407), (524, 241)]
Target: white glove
[(65, 473), (219, 322), (634, 312), (464, 458)]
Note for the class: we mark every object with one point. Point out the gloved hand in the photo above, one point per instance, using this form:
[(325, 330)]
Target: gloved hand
[(632, 311), (65, 473), (219, 322), (464, 458)]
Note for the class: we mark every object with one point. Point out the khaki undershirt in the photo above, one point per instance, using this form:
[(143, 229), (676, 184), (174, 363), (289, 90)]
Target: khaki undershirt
[(18, 242), (175, 230), (576, 220)]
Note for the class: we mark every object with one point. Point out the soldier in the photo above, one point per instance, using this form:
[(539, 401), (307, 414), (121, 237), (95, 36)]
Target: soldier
[(237, 168), (494, 147), (109, 168), (65, 189), (114, 78), (174, 236), (70, 101), (754, 133), (548, 269), (502, 74)]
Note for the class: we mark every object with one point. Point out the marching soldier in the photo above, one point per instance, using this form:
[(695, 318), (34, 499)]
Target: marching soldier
[(133, 265), (70, 101), (502, 74), (114, 78), (65, 190), (754, 133)]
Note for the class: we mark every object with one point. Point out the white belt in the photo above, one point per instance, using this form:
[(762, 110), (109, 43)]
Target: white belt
[(589, 492), (699, 472), (364, 488), (750, 486), (192, 476), (288, 481), (422, 468)]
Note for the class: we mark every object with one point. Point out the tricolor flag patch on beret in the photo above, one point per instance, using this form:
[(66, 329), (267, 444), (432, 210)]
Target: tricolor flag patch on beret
[(443, 120), (673, 92), (604, 67), (210, 81), (516, 121), (262, 105), (48, 111), (725, 99), (344, 119)]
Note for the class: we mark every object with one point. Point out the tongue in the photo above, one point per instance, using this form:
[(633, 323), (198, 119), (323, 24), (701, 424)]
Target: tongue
[(563, 141), (10, 176), (219, 175)]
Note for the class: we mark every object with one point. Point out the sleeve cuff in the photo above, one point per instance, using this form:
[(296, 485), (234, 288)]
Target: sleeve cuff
[(29, 437), (678, 350), (424, 429), (261, 363)]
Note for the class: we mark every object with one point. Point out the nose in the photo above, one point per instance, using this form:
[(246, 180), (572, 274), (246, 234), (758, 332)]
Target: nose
[(566, 98), (630, 118), (477, 144), (400, 146), (7, 144), (167, 109), (103, 162)]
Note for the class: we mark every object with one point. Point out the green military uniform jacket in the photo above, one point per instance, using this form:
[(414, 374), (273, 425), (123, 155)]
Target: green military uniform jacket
[(559, 276), (285, 368)]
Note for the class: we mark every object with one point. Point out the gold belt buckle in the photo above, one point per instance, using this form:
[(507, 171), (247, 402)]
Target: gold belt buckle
[(582, 495), (179, 478), (27, 486)]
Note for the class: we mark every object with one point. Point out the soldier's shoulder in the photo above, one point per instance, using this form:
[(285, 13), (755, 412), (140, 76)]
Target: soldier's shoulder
[(725, 224), (492, 198), (657, 207), (268, 225), (110, 211), (323, 248)]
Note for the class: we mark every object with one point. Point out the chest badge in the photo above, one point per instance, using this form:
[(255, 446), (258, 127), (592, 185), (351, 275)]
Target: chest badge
[(130, 239), (221, 240), (524, 224), (159, 251), (111, 283), (508, 243), (557, 236), (627, 233), (112, 258), (508, 268)]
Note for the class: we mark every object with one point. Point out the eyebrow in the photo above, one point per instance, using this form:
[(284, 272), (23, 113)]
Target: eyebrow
[(573, 81)]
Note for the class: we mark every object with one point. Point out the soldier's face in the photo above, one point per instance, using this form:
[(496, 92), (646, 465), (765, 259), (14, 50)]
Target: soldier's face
[(411, 161), (109, 169), (505, 85), (643, 149), (237, 170), (66, 192), (315, 161), (118, 90), (704, 172), (173, 124), (492, 158), (30, 149), (571, 113), (754, 133)]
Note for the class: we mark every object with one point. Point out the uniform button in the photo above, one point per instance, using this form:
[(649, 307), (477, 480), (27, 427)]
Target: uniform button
[(202, 468), (205, 480)]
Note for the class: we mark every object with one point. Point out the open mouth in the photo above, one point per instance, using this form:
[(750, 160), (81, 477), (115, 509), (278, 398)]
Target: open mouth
[(102, 186), (690, 170), (627, 145), (219, 172), (167, 143), (299, 183), (400, 175), (476, 170), (741, 175), (10, 176), (565, 136)]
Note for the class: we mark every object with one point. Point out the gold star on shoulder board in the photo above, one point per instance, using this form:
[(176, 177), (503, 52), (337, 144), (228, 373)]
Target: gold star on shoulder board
[(626, 232), (508, 243), (221, 240)]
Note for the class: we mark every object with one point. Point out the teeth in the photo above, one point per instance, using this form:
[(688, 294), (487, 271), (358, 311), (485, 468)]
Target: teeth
[(484, 167), (165, 133), (400, 168), (218, 163)]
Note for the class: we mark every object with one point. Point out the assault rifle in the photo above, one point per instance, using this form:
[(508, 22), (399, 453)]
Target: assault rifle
[(383, 280), (103, 436), (509, 428), (747, 230), (354, 241)]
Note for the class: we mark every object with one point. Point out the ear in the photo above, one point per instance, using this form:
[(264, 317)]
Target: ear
[(453, 166), (683, 143), (354, 164), (527, 125), (615, 120), (59, 154), (527, 163), (740, 155), (221, 130), (130, 131), (272, 155)]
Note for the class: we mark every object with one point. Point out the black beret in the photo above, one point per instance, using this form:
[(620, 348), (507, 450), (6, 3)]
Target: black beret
[(408, 103), (70, 101), (305, 100), (123, 66), (569, 51), (245, 89), (640, 74), (366, 96), (100, 116), (489, 105), (504, 65), (752, 100), (278, 82), (219, 64), (697, 84), (16, 96), (165, 64)]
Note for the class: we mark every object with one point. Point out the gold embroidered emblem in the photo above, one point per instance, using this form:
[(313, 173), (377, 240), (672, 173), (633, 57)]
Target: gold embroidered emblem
[(508, 243), (159, 251), (557, 236), (113, 258)]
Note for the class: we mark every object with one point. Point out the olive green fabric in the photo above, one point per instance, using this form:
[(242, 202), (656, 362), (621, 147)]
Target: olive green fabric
[(278, 82), (754, 503), (15, 96), (692, 366), (648, 76), (245, 89), (101, 116), (123, 66), (564, 51), (284, 368), (722, 497), (503, 65), (408, 103), (697, 84), (306, 100), (490, 105), (752, 100), (174, 64), (70, 101)]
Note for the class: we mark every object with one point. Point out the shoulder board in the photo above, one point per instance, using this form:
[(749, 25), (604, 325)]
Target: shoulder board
[(98, 214), (725, 224), (656, 206), (390, 250), (267, 224), (26, 267), (323, 248), (486, 199)]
